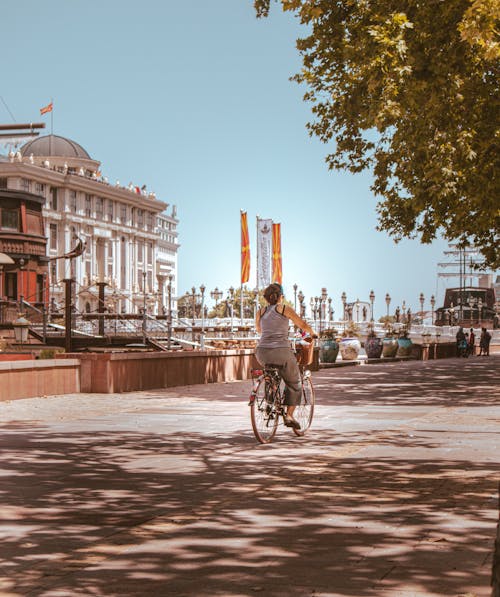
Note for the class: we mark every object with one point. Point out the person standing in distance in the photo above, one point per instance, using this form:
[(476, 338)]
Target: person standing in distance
[(273, 348)]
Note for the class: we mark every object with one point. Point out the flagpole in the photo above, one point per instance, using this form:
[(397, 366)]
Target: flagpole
[(257, 256), (51, 125)]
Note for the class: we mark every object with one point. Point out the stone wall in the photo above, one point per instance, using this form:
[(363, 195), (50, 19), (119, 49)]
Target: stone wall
[(26, 379)]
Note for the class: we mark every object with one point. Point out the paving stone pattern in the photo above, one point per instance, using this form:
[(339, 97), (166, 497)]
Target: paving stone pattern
[(393, 492)]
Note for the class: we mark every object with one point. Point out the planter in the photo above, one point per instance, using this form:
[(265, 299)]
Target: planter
[(404, 347), (328, 351), (389, 347), (349, 348), (373, 347)]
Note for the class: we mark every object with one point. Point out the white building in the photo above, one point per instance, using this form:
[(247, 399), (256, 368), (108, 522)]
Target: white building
[(130, 240)]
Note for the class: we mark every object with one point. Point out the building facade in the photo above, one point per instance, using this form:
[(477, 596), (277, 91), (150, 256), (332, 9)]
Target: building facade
[(129, 238)]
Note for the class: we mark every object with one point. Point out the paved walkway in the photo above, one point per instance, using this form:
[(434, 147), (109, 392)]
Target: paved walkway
[(394, 492)]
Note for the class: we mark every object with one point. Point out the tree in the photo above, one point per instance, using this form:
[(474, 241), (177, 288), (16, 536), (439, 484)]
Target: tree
[(410, 89)]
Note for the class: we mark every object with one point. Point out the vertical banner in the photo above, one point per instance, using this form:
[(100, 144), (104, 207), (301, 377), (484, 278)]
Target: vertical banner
[(264, 233), (277, 264), (245, 249)]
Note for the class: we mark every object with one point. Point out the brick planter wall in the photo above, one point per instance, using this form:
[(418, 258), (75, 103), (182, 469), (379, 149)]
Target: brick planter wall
[(26, 379), (130, 371)]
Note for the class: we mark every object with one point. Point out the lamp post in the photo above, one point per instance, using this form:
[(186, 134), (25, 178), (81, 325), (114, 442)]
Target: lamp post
[(403, 306), (202, 335), (193, 305), (295, 297), (21, 327), (231, 305), (144, 274), (255, 295), (216, 294), (322, 317), (330, 310), (357, 310), (433, 302), (387, 302), (169, 321), (479, 309), (421, 298), (21, 276), (372, 300), (343, 299), (301, 303)]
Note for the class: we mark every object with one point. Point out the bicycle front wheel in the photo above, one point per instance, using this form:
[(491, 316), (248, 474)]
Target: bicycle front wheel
[(305, 410), (263, 413)]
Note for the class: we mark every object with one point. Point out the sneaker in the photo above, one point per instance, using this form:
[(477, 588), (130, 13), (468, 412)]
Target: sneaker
[(291, 422)]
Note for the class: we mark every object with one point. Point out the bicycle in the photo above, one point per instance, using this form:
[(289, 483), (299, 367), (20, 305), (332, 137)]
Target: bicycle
[(266, 402)]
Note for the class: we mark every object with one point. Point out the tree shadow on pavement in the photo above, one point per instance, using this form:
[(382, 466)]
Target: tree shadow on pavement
[(124, 513)]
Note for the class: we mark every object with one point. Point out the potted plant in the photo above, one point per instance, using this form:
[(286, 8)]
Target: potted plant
[(373, 345), (350, 344), (389, 342), (328, 345), (404, 343)]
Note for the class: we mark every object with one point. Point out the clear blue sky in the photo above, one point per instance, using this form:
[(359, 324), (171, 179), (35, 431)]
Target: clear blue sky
[(193, 98)]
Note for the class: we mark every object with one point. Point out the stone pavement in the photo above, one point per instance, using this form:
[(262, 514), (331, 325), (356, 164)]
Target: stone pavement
[(393, 492)]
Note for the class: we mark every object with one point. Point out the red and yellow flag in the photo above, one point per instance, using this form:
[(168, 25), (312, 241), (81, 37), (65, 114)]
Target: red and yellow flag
[(245, 249), (47, 108), (277, 265)]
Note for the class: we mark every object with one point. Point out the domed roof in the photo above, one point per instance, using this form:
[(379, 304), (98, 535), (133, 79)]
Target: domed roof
[(53, 145)]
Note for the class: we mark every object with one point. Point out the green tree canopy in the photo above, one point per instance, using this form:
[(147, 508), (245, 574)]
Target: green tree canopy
[(410, 89)]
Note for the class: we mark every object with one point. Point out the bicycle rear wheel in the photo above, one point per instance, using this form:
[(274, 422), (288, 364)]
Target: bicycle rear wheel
[(263, 413), (305, 410)]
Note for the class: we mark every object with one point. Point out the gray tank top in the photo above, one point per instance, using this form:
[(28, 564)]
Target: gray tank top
[(274, 327)]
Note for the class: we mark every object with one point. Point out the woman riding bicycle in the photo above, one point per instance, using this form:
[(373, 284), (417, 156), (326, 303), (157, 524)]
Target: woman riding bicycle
[(274, 348)]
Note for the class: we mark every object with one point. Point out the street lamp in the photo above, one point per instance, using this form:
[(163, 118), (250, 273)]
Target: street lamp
[(21, 327), (330, 309), (322, 308), (193, 297), (295, 297), (372, 300), (422, 299), (202, 336), (231, 302), (301, 303), (169, 323), (433, 302), (387, 302), (403, 306), (216, 294), (144, 307), (343, 299)]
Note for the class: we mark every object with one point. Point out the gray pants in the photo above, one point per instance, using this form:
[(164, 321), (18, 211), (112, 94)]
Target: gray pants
[(289, 370)]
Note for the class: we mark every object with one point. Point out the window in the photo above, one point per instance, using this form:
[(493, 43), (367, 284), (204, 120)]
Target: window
[(149, 219), (53, 198), (123, 214), (110, 210), (25, 184), (140, 218), (73, 202), (99, 208), (88, 205), (139, 252), (10, 219), (53, 236), (3, 183), (39, 188), (150, 253)]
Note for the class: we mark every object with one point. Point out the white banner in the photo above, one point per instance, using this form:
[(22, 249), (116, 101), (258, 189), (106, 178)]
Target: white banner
[(264, 252)]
